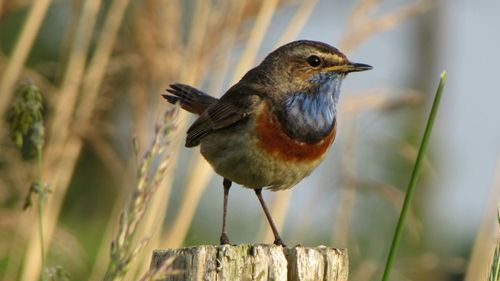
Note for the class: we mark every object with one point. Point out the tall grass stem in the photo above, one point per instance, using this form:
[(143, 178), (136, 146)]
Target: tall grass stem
[(414, 177), (21, 51)]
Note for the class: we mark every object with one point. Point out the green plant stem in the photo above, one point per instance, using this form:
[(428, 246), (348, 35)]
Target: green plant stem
[(40, 226), (41, 205), (413, 180)]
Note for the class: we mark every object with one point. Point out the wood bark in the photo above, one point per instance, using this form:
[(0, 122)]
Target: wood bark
[(252, 262)]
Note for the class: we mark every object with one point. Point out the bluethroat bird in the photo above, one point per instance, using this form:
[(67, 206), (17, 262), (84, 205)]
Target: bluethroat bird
[(273, 127)]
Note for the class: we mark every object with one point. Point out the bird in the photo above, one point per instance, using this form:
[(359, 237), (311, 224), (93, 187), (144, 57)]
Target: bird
[(271, 129)]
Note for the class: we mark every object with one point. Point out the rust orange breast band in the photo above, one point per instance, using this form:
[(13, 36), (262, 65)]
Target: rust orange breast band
[(273, 139)]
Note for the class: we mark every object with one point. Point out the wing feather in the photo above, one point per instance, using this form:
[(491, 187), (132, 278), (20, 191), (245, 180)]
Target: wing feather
[(236, 105)]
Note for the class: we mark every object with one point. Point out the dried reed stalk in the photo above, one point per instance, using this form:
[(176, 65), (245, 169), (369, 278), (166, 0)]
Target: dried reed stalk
[(395, 197), (185, 213), (252, 46), (151, 227), (298, 21), (21, 51), (109, 157), (361, 25), (190, 74), (484, 244), (101, 259), (160, 45), (233, 22), (58, 134), (126, 245), (202, 171), (70, 87), (65, 159), (94, 75)]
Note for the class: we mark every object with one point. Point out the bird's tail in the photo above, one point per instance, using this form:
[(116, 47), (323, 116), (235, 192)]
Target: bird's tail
[(189, 98)]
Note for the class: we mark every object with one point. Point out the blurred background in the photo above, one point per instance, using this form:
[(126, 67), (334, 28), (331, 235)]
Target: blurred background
[(101, 67)]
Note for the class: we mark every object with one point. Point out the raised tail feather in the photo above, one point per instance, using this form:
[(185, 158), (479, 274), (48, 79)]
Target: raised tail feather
[(189, 98)]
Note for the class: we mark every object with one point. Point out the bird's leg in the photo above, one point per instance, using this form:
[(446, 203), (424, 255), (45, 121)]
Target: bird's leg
[(277, 238), (223, 237)]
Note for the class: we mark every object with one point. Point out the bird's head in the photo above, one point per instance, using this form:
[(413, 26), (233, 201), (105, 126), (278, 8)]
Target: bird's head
[(303, 64)]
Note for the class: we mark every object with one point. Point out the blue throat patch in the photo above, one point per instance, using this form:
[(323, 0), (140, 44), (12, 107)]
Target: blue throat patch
[(309, 116)]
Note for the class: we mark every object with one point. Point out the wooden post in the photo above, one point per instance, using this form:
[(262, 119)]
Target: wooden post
[(253, 262)]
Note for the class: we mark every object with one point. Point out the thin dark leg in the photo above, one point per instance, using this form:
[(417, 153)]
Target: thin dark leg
[(277, 238), (223, 237)]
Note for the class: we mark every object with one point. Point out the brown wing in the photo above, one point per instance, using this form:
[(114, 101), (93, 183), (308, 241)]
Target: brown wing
[(235, 105)]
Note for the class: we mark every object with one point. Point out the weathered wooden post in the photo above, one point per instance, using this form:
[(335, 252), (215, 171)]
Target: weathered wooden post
[(254, 262)]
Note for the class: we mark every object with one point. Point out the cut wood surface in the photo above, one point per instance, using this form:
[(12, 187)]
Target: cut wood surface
[(253, 262)]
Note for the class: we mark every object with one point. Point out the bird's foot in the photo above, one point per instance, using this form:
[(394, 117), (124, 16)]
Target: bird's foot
[(224, 240), (279, 242)]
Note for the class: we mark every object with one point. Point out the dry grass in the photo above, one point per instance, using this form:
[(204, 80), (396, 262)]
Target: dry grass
[(487, 236), (126, 245), (362, 24), (146, 45), (22, 48)]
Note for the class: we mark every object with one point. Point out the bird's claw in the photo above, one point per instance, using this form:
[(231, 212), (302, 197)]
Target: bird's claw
[(279, 242), (224, 240)]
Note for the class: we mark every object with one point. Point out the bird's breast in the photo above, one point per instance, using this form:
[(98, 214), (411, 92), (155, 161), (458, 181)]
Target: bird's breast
[(273, 139)]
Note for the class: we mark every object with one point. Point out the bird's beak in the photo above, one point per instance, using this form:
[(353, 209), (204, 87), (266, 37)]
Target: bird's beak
[(349, 67)]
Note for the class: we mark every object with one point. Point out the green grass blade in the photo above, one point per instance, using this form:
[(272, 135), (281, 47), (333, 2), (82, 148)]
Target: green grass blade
[(413, 181)]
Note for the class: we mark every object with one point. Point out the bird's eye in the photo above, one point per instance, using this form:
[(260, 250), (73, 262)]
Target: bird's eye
[(314, 61)]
